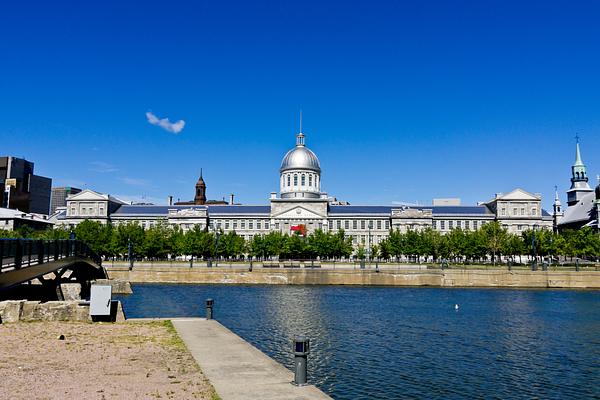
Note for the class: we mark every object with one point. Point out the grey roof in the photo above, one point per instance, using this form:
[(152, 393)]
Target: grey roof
[(137, 210), (462, 210), (238, 209), (300, 157), (152, 210), (360, 209), (62, 214), (582, 211), (436, 210)]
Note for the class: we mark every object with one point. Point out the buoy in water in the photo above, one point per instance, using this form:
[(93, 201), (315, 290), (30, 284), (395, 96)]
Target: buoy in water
[(456, 306)]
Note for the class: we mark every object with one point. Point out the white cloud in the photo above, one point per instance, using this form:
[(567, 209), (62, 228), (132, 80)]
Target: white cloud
[(140, 198), (173, 127), (101, 166), (134, 181)]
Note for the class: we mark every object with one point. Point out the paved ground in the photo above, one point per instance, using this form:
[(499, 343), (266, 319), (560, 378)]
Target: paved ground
[(97, 361), (236, 369)]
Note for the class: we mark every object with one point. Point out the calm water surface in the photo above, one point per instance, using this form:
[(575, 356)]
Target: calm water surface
[(392, 343)]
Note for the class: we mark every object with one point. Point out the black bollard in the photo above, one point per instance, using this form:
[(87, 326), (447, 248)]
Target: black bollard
[(209, 308), (301, 350)]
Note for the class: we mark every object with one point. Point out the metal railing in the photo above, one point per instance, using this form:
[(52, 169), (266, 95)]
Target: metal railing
[(22, 253)]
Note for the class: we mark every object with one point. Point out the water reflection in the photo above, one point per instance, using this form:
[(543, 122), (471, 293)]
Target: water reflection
[(389, 343)]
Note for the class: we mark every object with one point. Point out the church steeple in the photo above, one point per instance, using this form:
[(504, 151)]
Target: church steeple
[(579, 178), (557, 208), (200, 197)]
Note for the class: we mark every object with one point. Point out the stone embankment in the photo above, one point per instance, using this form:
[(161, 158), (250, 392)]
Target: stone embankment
[(349, 276), (30, 311)]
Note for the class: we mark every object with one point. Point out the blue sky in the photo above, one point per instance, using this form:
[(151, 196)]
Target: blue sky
[(402, 101)]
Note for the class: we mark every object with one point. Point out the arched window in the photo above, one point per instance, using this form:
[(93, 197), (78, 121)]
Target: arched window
[(310, 180), (288, 180), (577, 175), (295, 180), (303, 179)]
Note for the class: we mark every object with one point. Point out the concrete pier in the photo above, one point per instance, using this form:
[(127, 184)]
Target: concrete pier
[(236, 369)]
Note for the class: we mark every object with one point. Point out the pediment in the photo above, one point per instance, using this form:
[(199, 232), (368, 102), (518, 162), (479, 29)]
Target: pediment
[(87, 195), (518, 194), (299, 212)]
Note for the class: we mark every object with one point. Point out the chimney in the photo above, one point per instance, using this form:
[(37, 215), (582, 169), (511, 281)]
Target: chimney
[(231, 199), (170, 200)]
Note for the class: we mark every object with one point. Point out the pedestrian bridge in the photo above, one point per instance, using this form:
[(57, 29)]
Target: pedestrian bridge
[(52, 262)]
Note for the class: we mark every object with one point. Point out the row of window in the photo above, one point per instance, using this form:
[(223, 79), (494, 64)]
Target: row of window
[(300, 179), (364, 224), (242, 224), (452, 224), (516, 213)]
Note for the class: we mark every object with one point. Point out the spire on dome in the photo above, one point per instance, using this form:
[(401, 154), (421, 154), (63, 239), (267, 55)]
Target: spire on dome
[(300, 136)]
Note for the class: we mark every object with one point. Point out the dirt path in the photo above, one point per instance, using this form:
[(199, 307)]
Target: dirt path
[(144, 360)]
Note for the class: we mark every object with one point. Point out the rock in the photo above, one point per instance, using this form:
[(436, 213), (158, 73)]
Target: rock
[(10, 311), (71, 291), (55, 311), (118, 286), (61, 337)]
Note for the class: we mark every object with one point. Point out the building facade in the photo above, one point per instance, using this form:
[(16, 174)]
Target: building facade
[(22, 189), (302, 203)]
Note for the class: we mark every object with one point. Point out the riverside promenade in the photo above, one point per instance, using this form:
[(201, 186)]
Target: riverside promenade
[(236, 369)]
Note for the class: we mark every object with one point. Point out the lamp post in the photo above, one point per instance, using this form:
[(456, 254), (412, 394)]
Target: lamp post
[(534, 249), (130, 253), (217, 249), (369, 244)]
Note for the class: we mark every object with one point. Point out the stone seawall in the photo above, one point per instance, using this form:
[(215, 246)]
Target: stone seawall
[(301, 276)]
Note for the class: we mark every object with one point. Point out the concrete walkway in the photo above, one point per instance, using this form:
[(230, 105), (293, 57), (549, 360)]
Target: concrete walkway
[(236, 369)]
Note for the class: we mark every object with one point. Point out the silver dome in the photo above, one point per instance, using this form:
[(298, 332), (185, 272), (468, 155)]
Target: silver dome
[(300, 157)]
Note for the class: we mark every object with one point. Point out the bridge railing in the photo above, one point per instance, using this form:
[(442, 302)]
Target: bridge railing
[(21, 253)]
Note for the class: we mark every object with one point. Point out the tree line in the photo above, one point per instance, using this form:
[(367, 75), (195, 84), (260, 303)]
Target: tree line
[(490, 243)]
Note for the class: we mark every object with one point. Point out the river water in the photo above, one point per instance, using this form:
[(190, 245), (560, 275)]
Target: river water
[(392, 343)]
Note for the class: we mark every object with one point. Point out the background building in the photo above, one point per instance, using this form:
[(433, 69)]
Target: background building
[(200, 195), (301, 203), (15, 219), (583, 201), (22, 190), (59, 197)]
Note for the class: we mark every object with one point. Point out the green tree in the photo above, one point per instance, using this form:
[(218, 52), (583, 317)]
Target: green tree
[(494, 237)]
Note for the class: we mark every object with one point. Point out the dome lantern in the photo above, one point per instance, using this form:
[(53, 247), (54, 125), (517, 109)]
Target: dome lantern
[(300, 172)]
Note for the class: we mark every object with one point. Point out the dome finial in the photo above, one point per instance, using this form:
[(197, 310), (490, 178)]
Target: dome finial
[(300, 135)]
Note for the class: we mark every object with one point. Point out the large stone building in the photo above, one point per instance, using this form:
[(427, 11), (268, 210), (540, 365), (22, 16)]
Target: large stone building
[(302, 203), (583, 201)]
